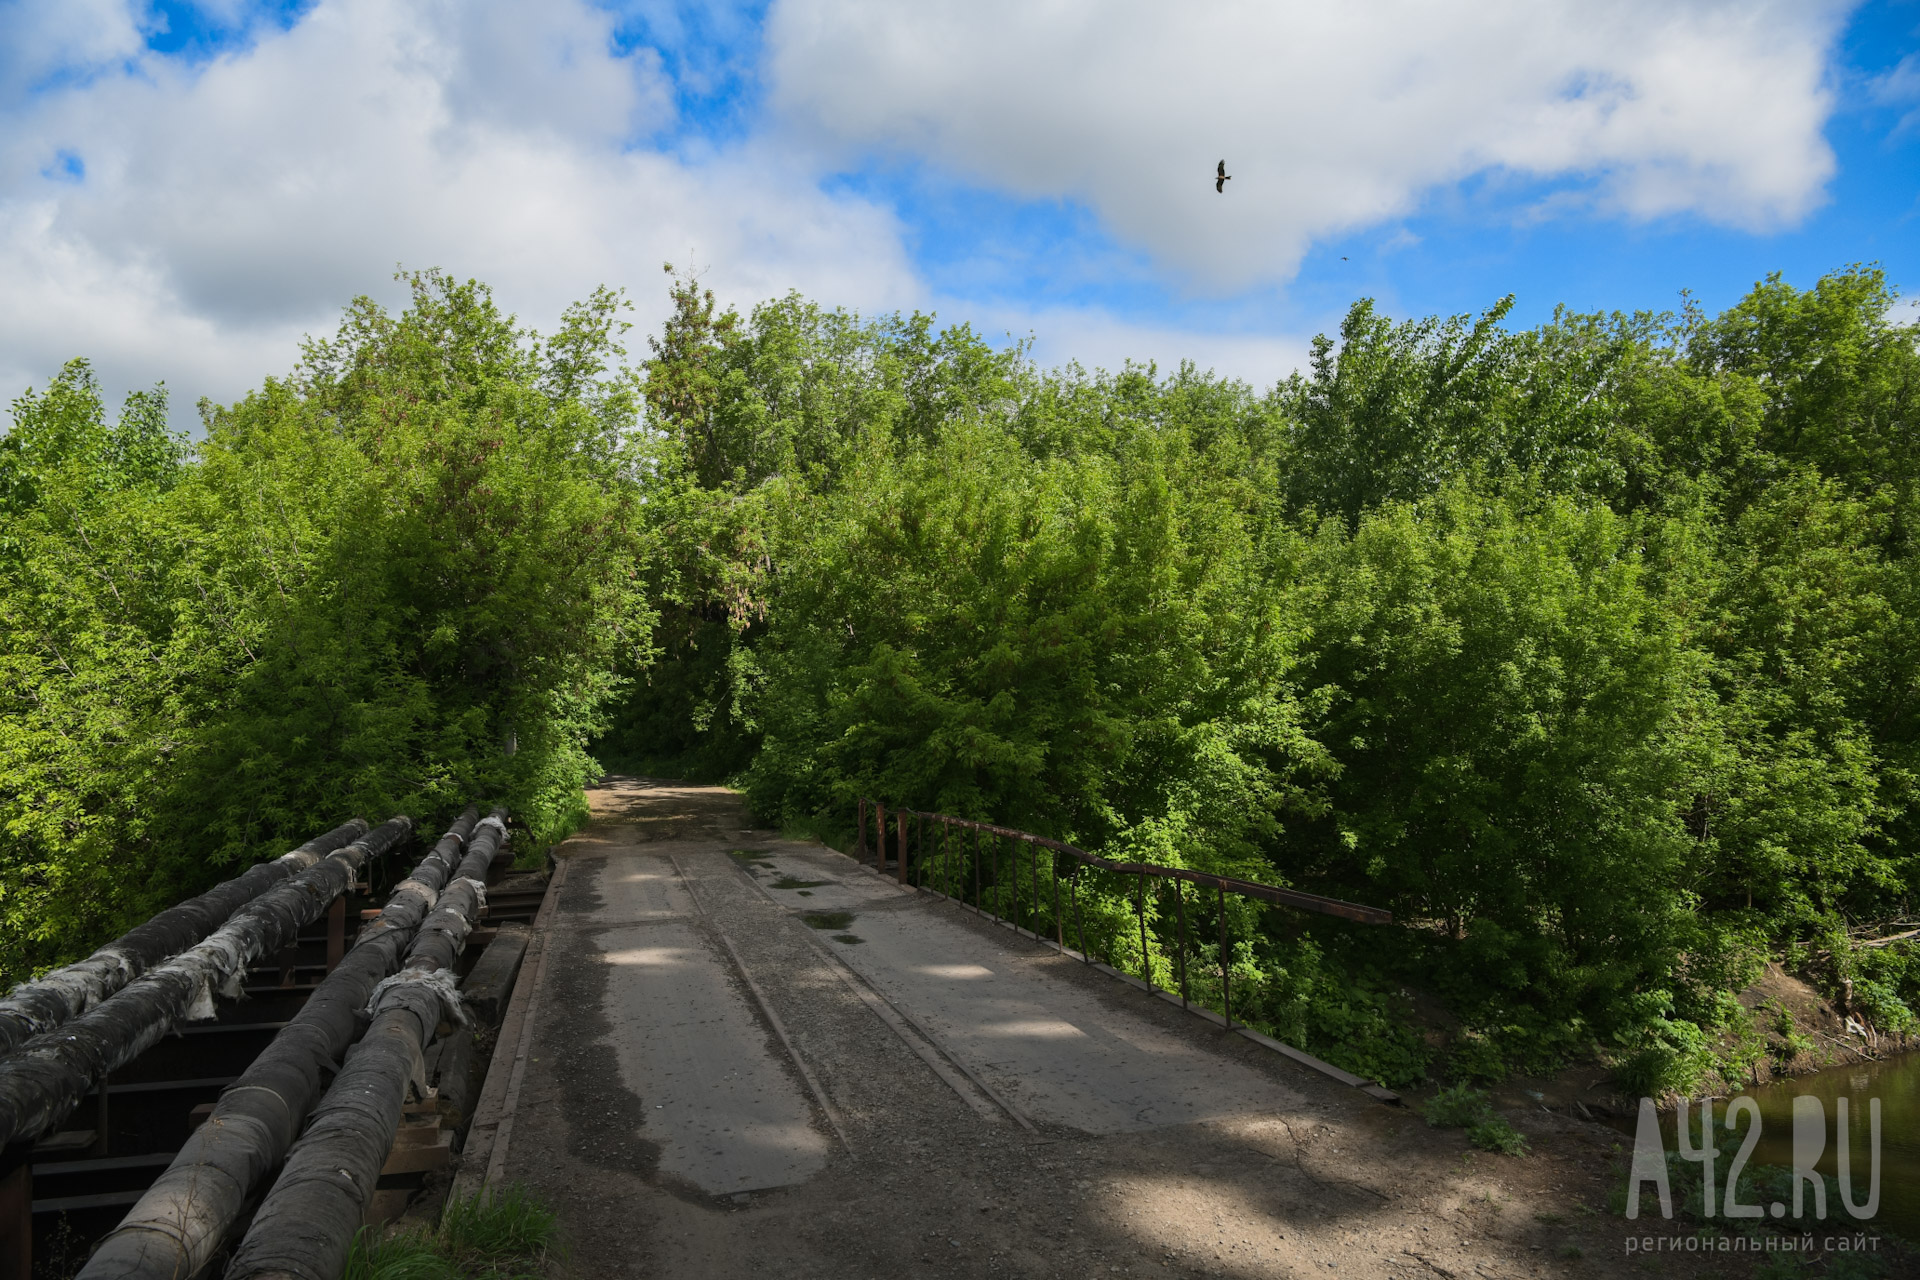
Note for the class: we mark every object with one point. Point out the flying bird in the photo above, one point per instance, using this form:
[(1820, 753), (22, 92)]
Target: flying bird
[(1221, 177)]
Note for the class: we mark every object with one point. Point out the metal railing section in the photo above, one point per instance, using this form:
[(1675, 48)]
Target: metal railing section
[(946, 870)]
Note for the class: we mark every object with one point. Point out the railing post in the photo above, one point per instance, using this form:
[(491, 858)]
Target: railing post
[(1033, 883), (1140, 904), (880, 844), (976, 871), (1226, 962), (860, 841), (900, 872), (1013, 855), (1180, 905), (1059, 925), (1079, 926), (997, 904)]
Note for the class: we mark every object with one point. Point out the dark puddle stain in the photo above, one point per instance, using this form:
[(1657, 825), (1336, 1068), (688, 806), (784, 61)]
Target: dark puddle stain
[(827, 919), (603, 1119), (580, 895)]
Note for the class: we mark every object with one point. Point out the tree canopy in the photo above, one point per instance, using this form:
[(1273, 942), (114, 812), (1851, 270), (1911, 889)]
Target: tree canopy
[(1588, 649), (1591, 650), (400, 577)]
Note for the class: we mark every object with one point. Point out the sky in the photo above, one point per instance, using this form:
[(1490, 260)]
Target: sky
[(186, 189)]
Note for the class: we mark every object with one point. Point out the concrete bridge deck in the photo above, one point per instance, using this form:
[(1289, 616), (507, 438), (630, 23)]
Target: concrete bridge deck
[(715, 1087)]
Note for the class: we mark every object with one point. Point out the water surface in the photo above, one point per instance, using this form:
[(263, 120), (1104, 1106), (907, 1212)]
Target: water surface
[(1894, 1082)]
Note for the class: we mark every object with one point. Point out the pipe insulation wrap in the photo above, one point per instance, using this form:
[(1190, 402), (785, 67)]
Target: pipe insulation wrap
[(187, 1214), (479, 893), (48, 1075), (58, 997), (305, 1225), (424, 889), (438, 983)]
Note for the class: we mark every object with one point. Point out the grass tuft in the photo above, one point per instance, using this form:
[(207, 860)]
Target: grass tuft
[(498, 1229), (404, 1255), (1462, 1107), (508, 1236)]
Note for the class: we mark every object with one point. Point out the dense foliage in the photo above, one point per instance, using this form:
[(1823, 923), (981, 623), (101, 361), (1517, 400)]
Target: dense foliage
[(395, 581), (1588, 650), (1592, 650)]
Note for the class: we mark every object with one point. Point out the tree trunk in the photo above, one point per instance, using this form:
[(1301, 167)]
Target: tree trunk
[(305, 1226), (65, 994)]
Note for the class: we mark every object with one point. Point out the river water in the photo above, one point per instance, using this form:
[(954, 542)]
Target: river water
[(1894, 1082)]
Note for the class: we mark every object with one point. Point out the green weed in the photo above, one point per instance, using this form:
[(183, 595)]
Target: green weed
[(1457, 1107), (1462, 1107), (504, 1236)]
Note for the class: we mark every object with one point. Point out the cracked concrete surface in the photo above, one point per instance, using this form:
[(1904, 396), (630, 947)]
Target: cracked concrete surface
[(1154, 1144)]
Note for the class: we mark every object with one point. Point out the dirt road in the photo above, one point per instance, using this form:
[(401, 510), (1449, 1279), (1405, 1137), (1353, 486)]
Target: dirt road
[(716, 1087)]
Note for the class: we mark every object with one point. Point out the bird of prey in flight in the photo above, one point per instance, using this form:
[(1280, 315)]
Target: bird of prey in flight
[(1221, 177)]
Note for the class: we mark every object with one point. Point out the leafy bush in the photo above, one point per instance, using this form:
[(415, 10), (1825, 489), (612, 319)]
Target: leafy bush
[(1495, 1134), (1582, 649), (1457, 1106), (1461, 1107), (396, 581)]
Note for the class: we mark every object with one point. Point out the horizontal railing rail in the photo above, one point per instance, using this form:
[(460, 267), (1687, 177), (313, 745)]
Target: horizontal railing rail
[(944, 871)]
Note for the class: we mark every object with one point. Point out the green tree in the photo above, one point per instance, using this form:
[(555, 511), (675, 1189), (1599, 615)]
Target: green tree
[(399, 580)]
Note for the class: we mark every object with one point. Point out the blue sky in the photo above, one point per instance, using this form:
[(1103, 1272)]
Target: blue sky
[(186, 188)]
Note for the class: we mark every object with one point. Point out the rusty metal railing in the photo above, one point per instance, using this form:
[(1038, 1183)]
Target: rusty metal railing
[(945, 871)]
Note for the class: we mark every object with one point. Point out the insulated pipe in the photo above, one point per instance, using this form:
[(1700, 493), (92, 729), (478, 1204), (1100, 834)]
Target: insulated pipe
[(305, 1226), (64, 994), (49, 1074), (185, 1216)]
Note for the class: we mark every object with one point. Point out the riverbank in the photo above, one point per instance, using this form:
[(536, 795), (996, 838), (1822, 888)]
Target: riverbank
[(1802, 1034)]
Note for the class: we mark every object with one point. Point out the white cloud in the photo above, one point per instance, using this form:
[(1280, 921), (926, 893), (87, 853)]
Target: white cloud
[(191, 221), (227, 209), (1097, 339), (77, 37), (1331, 116), (1899, 86)]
